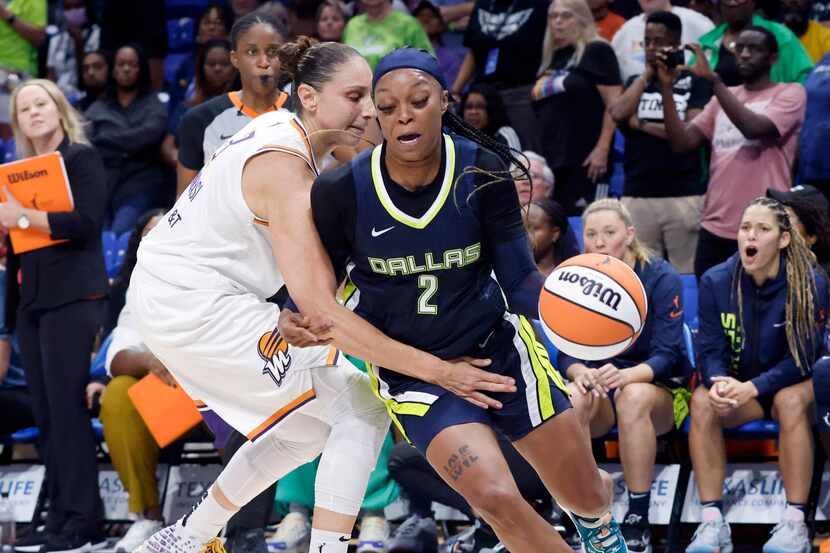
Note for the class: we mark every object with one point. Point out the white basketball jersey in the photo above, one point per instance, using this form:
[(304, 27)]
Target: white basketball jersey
[(210, 239)]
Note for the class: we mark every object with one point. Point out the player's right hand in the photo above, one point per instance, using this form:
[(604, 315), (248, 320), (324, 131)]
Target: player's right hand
[(302, 332), (465, 378)]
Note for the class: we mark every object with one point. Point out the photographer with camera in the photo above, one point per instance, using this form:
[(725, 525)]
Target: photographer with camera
[(663, 190), (753, 130)]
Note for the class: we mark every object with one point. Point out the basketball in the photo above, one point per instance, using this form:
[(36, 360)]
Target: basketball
[(593, 307)]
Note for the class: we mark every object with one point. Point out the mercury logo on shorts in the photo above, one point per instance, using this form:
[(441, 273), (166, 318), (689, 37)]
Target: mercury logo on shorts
[(273, 349)]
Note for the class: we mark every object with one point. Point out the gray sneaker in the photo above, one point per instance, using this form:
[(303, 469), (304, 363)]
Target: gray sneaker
[(789, 536), (711, 537)]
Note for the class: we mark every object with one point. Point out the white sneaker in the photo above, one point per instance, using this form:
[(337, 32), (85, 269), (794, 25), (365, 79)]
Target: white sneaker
[(178, 539), (137, 534), (292, 535), (374, 533), (789, 536), (712, 536)]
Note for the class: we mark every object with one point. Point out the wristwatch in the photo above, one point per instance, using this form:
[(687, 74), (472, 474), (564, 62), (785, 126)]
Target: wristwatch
[(23, 222)]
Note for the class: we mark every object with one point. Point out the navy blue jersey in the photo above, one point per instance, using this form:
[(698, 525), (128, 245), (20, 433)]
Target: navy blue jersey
[(420, 261)]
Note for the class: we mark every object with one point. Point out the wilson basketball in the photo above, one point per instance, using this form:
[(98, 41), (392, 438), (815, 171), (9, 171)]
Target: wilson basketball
[(593, 307)]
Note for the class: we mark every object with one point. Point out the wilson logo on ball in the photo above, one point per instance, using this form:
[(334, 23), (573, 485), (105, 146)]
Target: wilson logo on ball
[(593, 288)]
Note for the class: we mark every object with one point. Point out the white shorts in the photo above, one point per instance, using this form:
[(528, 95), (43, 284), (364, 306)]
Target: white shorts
[(226, 352)]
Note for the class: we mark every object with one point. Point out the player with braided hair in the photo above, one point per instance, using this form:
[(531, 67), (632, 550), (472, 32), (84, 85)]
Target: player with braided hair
[(762, 319), (421, 267)]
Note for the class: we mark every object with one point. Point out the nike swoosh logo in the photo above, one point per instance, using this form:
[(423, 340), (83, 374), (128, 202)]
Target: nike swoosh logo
[(345, 538), (224, 137), (376, 233), (779, 325), (827, 419)]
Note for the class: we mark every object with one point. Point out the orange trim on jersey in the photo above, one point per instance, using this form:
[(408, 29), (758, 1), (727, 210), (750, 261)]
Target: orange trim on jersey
[(288, 150), (281, 414), (237, 102), (261, 222), (334, 353), (299, 128)]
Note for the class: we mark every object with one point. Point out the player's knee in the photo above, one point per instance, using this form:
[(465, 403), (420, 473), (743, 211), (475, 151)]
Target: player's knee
[(790, 405), (497, 502), (115, 403), (633, 403), (702, 412)]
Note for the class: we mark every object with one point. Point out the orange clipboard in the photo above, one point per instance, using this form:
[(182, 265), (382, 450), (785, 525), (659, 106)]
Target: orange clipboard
[(38, 182), (168, 412)]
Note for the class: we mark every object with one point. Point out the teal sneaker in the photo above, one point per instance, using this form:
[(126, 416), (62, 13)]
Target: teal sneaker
[(603, 536)]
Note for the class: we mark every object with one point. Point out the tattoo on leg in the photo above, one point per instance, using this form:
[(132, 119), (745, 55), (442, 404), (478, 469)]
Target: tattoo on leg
[(458, 462)]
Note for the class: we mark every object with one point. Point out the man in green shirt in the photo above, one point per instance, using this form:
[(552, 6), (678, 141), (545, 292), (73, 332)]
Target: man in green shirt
[(793, 63), (381, 29)]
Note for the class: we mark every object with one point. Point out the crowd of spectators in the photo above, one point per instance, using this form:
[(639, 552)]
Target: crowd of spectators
[(694, 110)]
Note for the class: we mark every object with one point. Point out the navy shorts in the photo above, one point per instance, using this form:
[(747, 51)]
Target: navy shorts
[(423, 411)]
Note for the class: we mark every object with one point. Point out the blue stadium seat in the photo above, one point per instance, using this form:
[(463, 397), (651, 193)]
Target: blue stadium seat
[(575, 223), (754, 430), (31, 434), (690, 301), (690, 345), (616, 183), (8, 152), (109, 247)]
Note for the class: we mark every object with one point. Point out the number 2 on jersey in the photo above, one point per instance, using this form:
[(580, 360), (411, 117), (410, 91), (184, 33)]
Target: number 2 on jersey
[(429, 285)]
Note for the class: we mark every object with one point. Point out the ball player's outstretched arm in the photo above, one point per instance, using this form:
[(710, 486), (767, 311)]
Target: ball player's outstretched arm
[(286, 203)]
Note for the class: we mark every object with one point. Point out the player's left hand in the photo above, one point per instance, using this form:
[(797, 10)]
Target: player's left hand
[(611, 377), (302, 332), (10, 210), (91, 389), (739, 392)]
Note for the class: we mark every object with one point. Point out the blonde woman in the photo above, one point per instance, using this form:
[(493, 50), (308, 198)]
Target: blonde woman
[(59, 297), (578, 79), (634, 390)]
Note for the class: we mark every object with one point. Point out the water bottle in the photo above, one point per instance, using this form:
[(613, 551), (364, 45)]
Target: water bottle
[(7, 536)]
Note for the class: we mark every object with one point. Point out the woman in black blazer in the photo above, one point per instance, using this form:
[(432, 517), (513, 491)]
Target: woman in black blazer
[(57, 303)]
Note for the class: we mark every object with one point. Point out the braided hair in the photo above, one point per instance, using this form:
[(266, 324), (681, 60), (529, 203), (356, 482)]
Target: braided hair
[(801, 289), (516, 161)]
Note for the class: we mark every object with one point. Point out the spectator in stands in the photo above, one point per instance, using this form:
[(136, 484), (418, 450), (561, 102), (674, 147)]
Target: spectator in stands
[(814, 163), (753, 129), (213, 23), (255, 39), (142, 23), (331, 20), (482, 107), (792, 64), (499, 38), (381, 29), (95, 67), (821, 12), (15, 403), (663, 190), (814, 36), (214, 75), (127, 127), (607, 22), (634, 390), (58, 306), (450, 56), (628, 42), (547, 226), (133, 450), (753, 366), (80, 34), (807, 209), (21, 34), (578, 79), (542, 176)]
